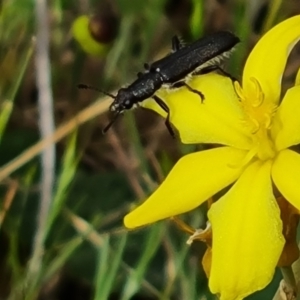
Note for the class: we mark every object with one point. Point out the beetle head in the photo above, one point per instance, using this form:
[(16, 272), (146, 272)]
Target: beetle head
[(122, 101)]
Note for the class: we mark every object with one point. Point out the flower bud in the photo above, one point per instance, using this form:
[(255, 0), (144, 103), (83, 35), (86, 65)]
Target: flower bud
[(95, 34)]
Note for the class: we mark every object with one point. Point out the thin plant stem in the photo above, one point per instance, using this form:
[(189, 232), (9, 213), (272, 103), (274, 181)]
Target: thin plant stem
[(8, 199), (46, 127), (125, 163), (85, 115), (274, 9)]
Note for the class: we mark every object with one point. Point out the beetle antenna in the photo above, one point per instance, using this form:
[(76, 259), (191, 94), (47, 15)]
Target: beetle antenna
[(89, 87), (112, 121)]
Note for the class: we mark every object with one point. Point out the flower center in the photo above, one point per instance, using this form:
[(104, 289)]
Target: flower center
[(258, 117)]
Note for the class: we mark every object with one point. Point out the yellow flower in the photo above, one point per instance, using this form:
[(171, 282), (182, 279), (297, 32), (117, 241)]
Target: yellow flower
[(256, 128)]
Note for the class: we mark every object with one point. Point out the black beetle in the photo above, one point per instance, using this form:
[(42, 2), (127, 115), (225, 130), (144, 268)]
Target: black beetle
[(173, 70)]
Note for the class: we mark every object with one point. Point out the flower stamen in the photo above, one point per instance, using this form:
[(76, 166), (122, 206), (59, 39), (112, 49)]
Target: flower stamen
[(255, 124), (239, 90), (259, 96)]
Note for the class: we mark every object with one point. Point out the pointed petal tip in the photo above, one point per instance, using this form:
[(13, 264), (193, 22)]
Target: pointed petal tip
[(128, 222), (267, 65), (137, 218)]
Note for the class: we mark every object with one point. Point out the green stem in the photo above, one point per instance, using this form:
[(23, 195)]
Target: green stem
[(274, 9)]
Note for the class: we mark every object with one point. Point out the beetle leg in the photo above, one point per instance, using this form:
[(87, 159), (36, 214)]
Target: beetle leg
[(179, 84), (112, 121), (212, 68), (165, 107), (175, 43), (146, 66), (194, 91)]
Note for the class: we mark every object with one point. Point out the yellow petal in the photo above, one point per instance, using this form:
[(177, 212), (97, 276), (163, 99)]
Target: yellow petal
[(194, 179), (286, 123), (247, 238), (286, 174), (206, 261), (267, 60), (80, 29), (218, 119)]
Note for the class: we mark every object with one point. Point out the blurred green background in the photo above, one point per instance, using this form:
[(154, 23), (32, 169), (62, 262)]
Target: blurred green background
[(63, 238)]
